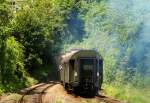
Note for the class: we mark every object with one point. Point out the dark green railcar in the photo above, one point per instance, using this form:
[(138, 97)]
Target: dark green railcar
[(81, 71)]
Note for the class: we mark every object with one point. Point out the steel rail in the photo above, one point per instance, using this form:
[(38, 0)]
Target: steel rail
[(43, 91), (30, 90)]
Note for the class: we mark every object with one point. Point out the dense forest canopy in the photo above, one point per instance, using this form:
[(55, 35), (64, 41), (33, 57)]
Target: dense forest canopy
[(33, 32)]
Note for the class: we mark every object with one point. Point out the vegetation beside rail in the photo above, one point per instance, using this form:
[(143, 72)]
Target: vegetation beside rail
[(33, 32), (128, 93)]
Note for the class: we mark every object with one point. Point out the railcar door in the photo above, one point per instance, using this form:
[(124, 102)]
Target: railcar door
[(87, 70), (71, 70)]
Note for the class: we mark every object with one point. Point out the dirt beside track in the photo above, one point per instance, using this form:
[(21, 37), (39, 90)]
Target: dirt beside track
[(54, 94), (57, 94)]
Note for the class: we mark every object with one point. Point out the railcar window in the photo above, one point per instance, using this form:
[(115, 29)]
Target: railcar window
[(87, 64), (87, 67)]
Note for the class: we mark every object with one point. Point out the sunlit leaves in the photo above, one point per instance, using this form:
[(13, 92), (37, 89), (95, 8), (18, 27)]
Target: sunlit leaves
[(12, 64)]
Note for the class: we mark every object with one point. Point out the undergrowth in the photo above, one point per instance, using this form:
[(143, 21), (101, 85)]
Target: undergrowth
[(128, 93)]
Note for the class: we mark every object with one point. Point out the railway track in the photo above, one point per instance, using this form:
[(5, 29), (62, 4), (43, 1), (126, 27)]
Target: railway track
[(43, 91), (40, 94)]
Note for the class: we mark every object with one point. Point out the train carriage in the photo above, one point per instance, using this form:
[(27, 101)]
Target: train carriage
[(82, 71)]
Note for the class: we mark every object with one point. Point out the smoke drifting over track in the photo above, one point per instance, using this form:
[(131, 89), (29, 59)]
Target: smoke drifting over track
[(136, 15), (120, 31)]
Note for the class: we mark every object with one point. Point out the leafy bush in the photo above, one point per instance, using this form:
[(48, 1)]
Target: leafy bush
[(128, 93), (1, 89), (12, 65)]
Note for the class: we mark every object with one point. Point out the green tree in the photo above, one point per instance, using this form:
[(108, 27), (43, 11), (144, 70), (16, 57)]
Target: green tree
[(4, 20), (12, 72), (39, 27)]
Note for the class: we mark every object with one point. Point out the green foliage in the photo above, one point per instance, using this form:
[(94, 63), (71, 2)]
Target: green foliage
[(116, 31), (5, 13), (39, 28), (1, 89), (12, 67), (11, 53), (115, 34), (29, 40), (128, 93)]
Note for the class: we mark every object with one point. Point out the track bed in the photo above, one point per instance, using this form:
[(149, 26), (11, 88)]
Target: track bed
[(53, 92)]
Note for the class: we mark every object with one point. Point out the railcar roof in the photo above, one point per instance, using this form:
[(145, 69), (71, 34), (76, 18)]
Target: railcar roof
[(70, 54)]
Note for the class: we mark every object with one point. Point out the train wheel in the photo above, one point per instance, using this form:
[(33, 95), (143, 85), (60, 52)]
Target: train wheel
[(66, 86), (62, 83)]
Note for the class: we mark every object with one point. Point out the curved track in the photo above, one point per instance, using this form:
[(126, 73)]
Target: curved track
[(43, 91), (40, 94)]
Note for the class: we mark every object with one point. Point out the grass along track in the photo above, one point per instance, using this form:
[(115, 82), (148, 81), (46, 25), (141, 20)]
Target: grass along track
[(107, 99)]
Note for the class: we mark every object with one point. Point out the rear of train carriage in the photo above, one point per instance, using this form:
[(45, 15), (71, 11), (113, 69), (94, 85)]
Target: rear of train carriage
[(81, 71)]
